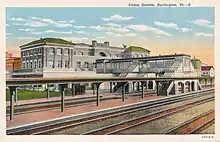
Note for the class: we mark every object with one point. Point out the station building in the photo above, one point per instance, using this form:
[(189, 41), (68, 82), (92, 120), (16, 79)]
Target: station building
[(53, 57)]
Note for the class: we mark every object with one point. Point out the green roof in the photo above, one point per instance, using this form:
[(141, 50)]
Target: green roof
[(48, 40), (136, 48)]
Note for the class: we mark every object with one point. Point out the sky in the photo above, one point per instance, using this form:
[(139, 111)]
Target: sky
[(188, 30)]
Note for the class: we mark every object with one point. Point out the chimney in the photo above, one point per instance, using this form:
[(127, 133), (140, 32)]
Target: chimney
[(94, 43)]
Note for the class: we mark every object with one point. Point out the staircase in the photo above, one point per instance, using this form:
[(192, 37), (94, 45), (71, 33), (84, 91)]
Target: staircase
[(119, 86), (130, 68), (163, 89), (173, 68)]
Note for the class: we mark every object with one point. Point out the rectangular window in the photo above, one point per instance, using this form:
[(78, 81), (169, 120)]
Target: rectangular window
[(51, 64), (74, 53), (39, 50), (31, 63), (86, 64), (59, 51), (51, 50), (27, 65), (59, 64), (82, 53), (66, 51), (35, 64), (23, 65), (78, 64), (66, 64), (39, 63)]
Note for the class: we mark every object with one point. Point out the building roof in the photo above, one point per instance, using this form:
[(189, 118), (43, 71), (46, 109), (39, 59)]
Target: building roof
[(136, 48), (48, 40), (206, 68)]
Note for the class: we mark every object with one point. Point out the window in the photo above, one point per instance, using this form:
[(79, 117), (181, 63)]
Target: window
[(74, 53), (23, 65), (27, 65), (66, 64), (35, 64), (86, 64), (66, 51), (59, 51), (39, 63), (82, 53), (39, 50), (51, 64), (51, 50), (78, 64), (59, 64), (27, 53), (31, 65), (35, 51)]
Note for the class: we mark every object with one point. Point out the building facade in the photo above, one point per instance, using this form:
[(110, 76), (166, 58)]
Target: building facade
[(51, 57), (207, 71)]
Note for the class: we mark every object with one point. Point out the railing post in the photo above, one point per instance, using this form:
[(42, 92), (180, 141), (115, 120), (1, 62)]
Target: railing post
[(12, 93)]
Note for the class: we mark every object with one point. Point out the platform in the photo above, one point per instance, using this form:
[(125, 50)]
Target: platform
[(28, 118)]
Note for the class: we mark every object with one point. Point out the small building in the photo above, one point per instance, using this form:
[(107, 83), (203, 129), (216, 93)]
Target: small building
[(207, 71), (197, 65)]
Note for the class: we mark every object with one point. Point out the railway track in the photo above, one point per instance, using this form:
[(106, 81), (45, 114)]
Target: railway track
[(194, 125), (64, 123), (118, 128)]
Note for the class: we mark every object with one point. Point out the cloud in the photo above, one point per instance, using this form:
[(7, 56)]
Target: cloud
[(79, 27), (101, 28), (112, 25), (51, 31), (145, 28), (52, 22), (117, 17), (16, 19), (82, 32), (202, 23), (17, 24), (26, 30), (35, 24), (7, 25), (166, 25), (184, 29), (204, 34), (171, 25), (101, 37), (121, 35)]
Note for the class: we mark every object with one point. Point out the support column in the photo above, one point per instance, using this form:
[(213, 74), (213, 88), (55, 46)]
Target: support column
[(16, 94), (97, 94), (205, 83), (142, 89), (73, 90), (12, 93), (133, 83), (123, 93), (93, 89), (62, 91), (48, 91), (157, 85), (146, 85), (110, 87)]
